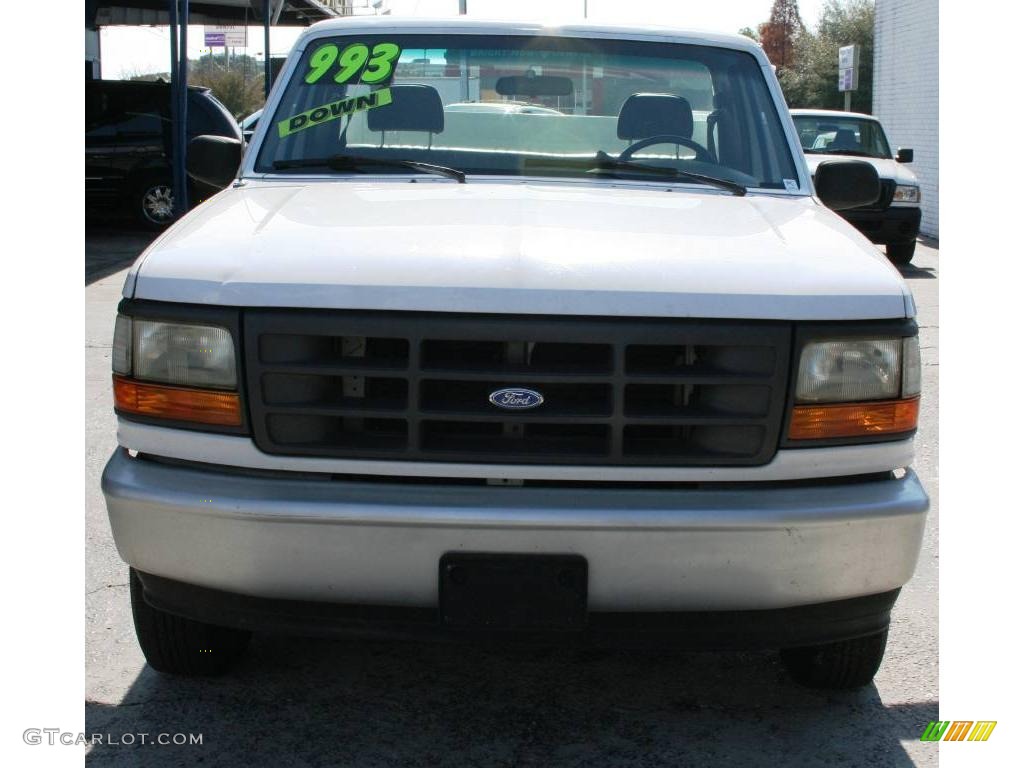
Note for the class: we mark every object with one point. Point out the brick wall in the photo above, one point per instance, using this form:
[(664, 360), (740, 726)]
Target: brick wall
[(906, 90)]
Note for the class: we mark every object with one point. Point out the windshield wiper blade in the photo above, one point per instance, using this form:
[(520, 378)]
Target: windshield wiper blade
[(607, 163), (354, 162)]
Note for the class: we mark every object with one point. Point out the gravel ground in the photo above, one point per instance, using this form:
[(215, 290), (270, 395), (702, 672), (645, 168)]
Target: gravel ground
[(314, 702)]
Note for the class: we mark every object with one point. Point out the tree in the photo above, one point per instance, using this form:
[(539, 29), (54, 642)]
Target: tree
[(237, 82), (813, 79), (778, 34)]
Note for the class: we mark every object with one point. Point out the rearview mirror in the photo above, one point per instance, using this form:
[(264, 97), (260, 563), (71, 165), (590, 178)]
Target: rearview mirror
[(214, 160), (843, 184), (904, 155), (534, 85)]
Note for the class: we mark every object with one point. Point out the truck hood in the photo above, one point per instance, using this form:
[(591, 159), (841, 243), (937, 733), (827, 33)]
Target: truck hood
[(887, 167), (540, 248)]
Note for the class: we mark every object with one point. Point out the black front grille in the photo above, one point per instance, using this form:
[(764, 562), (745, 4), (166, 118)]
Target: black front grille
[(416, 386), (887, 188)]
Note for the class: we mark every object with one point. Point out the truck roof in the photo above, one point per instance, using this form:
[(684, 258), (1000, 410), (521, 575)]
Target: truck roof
[(461, 25), (832, 113)]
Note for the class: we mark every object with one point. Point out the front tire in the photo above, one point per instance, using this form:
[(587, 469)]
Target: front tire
[(844, 665), (900, 253), (180, 646)]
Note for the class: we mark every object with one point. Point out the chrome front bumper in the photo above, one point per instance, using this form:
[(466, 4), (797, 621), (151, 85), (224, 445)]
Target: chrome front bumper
[(731, 547)]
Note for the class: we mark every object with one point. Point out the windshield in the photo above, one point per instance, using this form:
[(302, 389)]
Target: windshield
[(831, 135), (529, 106)]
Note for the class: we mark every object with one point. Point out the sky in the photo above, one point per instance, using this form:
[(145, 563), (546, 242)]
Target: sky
[(128, 51)]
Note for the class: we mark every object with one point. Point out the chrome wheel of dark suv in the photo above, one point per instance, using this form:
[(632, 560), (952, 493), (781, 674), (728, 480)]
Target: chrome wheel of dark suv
[(156, 203)]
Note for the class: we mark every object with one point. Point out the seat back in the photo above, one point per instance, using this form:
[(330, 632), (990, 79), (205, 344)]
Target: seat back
[(644, 115), (845, 139), (413, 107)]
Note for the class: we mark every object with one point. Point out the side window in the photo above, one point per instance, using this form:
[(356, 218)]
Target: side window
[(214, 117), (140, 124), (135, 113), (200, 117), (99, 114)]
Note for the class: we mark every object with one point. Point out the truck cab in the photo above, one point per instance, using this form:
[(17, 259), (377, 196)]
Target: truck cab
[(613, 374)]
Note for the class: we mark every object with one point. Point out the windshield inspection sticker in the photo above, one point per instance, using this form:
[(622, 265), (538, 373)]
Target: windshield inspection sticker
[(333, 111), (790, 184)]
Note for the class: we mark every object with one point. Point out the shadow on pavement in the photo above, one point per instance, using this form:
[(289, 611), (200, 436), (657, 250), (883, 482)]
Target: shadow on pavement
[(312, 702), (912, 272), (110, 246)]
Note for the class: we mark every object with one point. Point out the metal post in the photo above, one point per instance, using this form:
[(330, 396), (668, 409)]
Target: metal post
[(181, 202), (463, 64), (266, 49), (177, 178), (846, 101), (583, 91)]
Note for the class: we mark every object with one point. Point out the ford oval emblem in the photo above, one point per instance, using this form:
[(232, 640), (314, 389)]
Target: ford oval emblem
[(515, 399)]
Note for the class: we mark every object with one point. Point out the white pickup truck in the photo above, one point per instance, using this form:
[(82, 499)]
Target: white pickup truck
[(606, 370), (893, 219)]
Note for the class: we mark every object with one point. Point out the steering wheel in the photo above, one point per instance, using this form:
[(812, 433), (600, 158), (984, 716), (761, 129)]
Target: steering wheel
[(702, 154)]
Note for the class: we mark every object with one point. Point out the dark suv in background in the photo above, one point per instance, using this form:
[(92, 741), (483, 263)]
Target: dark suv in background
[(128, 145)]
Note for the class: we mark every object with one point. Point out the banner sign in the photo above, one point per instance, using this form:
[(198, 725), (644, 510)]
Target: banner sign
[(215, 36)]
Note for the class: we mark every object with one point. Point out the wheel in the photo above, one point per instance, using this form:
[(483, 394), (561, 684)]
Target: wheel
[(837, 666), (153, 203), (900, 253), (180, 646)]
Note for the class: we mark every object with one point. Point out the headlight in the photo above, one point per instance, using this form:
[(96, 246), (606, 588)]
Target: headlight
[(175, 371), (845, 371), (911, 367), (182, 354), (906, 193), (856, 388), (121, 353)]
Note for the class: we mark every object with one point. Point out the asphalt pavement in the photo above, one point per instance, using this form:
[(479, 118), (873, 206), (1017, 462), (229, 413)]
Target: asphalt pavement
[(318, 702)]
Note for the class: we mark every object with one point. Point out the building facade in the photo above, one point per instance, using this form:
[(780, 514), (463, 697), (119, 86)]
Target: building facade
[(906, 90)]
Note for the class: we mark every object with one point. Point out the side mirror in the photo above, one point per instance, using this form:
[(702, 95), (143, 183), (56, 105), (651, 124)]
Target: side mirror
[(904, 155), (214, 160), (843, 184)]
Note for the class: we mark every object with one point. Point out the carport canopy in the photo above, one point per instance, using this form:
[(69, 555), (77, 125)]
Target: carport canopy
[(178, 14), (224, 12)]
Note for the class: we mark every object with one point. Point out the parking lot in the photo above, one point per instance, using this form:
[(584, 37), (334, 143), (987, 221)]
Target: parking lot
[(313, 702)]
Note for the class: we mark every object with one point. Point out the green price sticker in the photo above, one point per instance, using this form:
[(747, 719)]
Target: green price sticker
[(373, 66), (333, 111)]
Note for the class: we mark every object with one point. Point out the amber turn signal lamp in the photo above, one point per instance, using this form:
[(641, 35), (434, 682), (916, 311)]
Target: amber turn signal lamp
[(202, 406), (820, 422)]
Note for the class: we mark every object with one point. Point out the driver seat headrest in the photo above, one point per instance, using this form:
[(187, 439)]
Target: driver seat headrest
[(845, 139), (655, 114), (413, 107)]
